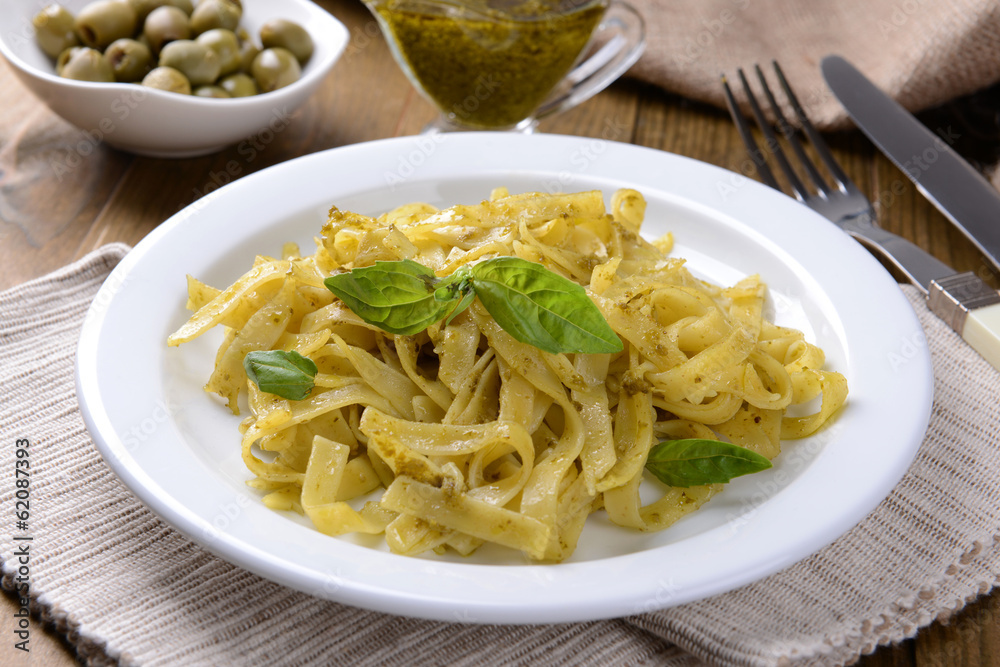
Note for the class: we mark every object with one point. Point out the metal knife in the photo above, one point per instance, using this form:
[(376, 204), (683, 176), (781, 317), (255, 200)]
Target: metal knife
[(967, 199)]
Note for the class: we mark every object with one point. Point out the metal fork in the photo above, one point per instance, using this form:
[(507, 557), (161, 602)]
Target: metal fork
[(844, 204)]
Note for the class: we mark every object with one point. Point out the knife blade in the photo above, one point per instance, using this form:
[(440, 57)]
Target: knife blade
[(967, 199), (942, 175)]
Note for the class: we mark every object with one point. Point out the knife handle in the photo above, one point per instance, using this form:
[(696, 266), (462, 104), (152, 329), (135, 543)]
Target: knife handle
[(982, 332), (972, 309)]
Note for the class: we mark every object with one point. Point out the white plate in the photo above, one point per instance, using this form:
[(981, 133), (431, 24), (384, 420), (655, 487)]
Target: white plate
[(178, 449)]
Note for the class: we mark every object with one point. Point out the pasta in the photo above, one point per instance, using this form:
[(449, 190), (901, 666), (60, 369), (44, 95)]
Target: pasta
[(460, 435)]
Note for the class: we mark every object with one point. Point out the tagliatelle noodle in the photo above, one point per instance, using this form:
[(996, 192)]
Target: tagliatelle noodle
[(461, 435)]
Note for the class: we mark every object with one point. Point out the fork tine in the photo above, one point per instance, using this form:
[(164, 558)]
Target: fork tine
[(793, 140), (825, 155), (756, 154), (772, 142)]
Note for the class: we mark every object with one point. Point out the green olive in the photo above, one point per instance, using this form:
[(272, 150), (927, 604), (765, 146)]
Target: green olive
[(65, 57), (195, 61), (85, 64), (275, 68), (287, 35), (248, 53), (226, 47), (209, 14), (102, 22), (164, 25), (169, 79), (238, 85), (54, 30), (144, 7), (185, 6), (211, 91), (129, 59)]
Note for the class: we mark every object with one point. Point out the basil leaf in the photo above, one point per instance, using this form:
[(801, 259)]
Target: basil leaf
[(696, 461), (541, 308), (466, 301), (285, 374), (533, 304), (457, 286), (397, 297)]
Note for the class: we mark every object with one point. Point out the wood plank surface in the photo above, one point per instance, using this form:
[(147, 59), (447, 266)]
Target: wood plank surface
[(62, 195)]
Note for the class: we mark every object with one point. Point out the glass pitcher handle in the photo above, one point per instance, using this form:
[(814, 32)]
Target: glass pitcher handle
[(620, 51)]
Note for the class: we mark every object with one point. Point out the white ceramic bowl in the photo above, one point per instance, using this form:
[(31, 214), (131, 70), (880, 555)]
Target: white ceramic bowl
[(161, 124)]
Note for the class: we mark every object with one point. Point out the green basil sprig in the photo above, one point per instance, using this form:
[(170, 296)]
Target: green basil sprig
[(285, 374), (531, 303), (696, 461), (397, 297)]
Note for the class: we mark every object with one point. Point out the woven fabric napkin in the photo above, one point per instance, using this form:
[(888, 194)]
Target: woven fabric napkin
[(125, 587), (922, 52)]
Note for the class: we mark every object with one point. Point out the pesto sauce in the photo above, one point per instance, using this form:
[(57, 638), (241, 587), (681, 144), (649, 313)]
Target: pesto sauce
[(492, 70)]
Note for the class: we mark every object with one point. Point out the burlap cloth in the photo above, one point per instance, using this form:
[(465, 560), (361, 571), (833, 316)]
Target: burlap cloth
[(922, 52), (126, 587)]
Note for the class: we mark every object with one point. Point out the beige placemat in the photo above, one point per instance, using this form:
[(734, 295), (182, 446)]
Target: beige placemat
[(126, 587), (922, 52)]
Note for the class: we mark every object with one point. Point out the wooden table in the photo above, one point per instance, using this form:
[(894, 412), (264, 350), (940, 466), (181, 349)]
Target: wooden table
[(62, 196)]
